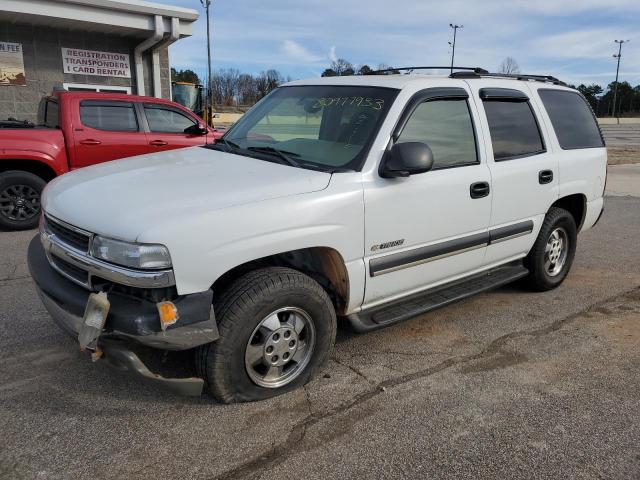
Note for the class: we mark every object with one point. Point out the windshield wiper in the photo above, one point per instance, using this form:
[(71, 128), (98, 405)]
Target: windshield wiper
[(283, 154)]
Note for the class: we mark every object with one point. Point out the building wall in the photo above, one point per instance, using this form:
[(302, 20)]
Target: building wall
[(42, 53)]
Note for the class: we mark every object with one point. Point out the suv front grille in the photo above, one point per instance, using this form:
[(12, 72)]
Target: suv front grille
[(73, 238), (70, 270)]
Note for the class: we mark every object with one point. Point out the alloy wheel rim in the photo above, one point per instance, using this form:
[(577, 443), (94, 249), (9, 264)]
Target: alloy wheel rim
[(280, 347), (19, 202), (555, 252)]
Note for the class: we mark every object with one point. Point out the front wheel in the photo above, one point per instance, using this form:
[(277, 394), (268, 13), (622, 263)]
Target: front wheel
[(277, 327), (551, 257), (20, 200)]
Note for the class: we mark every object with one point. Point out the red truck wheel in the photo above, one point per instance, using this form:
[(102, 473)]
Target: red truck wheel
[(20, 200)]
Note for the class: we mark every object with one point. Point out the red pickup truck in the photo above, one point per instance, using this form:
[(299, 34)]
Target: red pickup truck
[(78, 129)]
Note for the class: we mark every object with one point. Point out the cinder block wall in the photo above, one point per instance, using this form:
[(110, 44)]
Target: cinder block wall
[(42, 52)]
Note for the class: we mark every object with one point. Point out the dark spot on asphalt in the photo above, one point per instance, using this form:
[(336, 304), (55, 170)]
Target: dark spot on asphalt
[(504, 360)]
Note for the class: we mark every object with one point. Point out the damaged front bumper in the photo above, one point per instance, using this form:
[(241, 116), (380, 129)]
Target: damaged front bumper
[(130, 320)]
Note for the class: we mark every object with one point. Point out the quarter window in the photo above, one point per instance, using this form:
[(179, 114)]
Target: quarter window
[(446, 126), (111, 116), (514, 129), (572, 119), (164, 120)]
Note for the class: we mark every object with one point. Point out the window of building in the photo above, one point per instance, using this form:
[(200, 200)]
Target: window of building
[(572, 119), (165, 120), (446, 126), (514, 129), (109, 115), (81, 87)]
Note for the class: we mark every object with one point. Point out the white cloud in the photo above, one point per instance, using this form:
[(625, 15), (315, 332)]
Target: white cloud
[(332, 54), (297, 52)]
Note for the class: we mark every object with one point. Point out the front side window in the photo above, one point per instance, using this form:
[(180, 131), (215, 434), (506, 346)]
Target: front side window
[(111, 116), (572, 119), (326, 127), (165, 120), (514, 129), (446, 126)]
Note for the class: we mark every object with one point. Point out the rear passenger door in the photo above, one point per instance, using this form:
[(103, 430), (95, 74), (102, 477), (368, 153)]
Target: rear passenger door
[(108, 130), (167, 125), (524, 171)]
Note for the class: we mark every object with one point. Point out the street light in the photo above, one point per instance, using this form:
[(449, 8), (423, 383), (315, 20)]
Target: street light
[(615, 88), (207, 4), (453, 45)]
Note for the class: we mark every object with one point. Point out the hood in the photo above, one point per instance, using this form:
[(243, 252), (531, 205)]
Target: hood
[(124, 197)]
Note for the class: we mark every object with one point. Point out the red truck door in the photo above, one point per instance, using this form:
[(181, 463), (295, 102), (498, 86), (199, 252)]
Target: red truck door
[(108, 130), (169, 127)]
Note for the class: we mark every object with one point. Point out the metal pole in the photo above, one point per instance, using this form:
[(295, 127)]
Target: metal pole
[(453, 45), (207, 4), (615, 88)]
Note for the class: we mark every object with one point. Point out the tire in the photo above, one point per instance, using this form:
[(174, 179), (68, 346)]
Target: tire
[(20, 200), (235, 365), (544, 272)]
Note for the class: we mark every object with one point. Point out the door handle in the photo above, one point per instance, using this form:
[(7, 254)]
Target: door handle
[(158, 143), (479, 189), (90, 141), (545, 176)]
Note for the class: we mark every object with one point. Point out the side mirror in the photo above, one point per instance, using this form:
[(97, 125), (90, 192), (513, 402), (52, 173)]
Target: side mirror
[(406, 159), (197, 129)]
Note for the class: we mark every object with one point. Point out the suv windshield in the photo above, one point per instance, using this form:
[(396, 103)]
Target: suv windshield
[(313, 126)]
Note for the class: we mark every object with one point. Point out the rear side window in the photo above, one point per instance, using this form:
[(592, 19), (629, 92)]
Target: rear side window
[(572, 119), (164, 120), (109, 116), (514, 129), (51, 114), (444, 125)]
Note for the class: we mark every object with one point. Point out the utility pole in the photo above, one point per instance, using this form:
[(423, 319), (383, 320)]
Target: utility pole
[(453, 45), (207, 4), (615, 88)]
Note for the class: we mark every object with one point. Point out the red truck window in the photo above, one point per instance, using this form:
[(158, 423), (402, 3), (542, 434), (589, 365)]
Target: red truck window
[(111, 116), (167, 120)]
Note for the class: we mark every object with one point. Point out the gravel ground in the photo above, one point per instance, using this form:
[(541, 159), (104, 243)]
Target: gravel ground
[(509, 384)]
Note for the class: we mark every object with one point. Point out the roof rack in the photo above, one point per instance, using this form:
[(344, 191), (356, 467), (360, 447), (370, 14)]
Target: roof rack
[(515, 76), (476, 70)]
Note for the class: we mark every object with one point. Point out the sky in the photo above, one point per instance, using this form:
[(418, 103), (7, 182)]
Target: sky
[(569, 39)]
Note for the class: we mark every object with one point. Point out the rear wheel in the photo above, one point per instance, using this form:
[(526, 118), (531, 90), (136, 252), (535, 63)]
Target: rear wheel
[(276, 328), (20, 200), (551, 257)]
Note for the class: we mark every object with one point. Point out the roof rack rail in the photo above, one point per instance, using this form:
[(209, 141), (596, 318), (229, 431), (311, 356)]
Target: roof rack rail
[(515, 76), (476, 70)]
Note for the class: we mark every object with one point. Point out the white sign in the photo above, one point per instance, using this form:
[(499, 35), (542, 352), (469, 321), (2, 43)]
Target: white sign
[(11, 64), (91, 62)]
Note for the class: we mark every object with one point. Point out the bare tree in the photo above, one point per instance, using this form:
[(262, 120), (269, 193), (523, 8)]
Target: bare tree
[(509, 66), (342, 67)]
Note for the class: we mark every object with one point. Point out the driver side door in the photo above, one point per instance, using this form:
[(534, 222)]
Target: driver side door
[(166, 128), (430, 227)]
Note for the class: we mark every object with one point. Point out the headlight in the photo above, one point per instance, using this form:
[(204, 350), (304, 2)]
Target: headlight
[(147, 257)]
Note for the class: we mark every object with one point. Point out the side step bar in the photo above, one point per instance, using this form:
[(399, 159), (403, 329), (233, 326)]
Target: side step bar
[(423, 302)]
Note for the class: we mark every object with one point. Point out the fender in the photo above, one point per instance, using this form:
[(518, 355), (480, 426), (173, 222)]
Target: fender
[(59, 166)]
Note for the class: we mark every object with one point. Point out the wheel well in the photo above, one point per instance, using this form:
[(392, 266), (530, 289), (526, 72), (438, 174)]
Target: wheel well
[(575, 205), (32, 166), (325, 265)]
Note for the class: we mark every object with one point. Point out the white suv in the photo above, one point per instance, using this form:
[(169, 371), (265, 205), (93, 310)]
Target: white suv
[(371, 198)]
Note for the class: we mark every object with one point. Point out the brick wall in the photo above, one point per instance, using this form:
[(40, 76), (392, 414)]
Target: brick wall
[(43, 65)]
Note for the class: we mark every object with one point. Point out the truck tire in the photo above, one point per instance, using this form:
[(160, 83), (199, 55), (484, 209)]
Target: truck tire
[(277, 327), (20, 200), (550, 259)]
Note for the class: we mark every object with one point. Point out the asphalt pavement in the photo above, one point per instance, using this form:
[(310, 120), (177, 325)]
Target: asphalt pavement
[(508, 384)]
